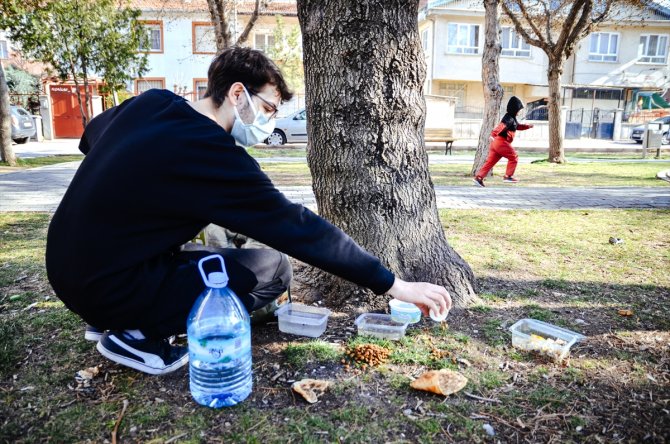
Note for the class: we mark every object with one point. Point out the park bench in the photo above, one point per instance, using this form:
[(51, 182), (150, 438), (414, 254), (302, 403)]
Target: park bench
[(445, 135)]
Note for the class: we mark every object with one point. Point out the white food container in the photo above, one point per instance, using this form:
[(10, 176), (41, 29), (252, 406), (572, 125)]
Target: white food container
[(548, 339), (380, 326), (303, 320)]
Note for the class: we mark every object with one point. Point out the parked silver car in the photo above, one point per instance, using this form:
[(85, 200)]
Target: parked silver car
[(638, 132), (289, 129), (23, 125)]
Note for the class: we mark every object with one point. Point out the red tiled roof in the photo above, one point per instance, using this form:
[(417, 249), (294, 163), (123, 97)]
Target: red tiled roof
[(243, 7)]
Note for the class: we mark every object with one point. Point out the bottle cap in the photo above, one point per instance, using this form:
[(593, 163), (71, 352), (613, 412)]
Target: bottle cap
[(218, 279)]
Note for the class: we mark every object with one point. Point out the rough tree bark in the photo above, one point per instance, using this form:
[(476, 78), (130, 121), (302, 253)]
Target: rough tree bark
[(6, 151), (556, 152), (364, 71), (493, 92)]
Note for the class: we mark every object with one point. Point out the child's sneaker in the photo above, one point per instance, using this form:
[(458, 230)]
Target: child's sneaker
[(510, 179), (153, 356), (93, 333), (479, 181)]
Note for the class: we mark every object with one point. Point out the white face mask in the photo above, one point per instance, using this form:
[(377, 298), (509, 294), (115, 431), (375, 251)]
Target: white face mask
[(256, 131)]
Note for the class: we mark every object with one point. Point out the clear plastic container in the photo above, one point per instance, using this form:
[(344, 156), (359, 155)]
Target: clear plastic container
[(303, 320), (404, 311), (548, 339), (380, 326)]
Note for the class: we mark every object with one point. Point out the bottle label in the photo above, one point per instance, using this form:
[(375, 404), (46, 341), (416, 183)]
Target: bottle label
[(220, 349)]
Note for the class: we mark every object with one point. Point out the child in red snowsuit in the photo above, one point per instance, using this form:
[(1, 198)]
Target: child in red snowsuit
[(501, 145)]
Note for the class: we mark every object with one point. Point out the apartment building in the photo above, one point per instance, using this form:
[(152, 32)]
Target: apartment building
[(626, 58), (182, 41)]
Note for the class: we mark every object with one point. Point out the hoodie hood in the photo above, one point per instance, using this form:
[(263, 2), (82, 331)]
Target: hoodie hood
[(514, 106)]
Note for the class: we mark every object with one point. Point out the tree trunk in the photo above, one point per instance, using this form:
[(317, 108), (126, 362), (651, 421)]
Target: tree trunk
[(219, 15), (556, 152), (493, 92), (364, 74), (6, 151)]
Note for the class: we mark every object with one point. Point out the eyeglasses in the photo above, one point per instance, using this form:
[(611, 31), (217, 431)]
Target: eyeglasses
[(268, 103)]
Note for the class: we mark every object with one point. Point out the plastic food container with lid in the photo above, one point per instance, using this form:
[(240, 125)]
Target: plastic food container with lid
[(303, 320), (545, 338), (380, 326), (404, 311)]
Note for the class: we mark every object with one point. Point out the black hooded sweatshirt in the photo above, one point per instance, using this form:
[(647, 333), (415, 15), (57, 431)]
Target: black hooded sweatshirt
[(156, 172), (509, 125)]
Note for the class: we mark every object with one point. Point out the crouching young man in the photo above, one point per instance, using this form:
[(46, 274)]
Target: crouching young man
[(157, 170)]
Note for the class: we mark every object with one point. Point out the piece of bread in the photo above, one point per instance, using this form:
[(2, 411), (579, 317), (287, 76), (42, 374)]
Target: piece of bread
[(310, 389), (443, 382)]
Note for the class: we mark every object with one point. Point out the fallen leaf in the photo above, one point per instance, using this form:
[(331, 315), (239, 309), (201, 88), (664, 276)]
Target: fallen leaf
[(310, 389), (89, 373), (625, 312), (443, 382)]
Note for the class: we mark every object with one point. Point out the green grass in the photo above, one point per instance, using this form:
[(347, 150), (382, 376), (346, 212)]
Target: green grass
[(536, 175), (44, 161), (300, 354)]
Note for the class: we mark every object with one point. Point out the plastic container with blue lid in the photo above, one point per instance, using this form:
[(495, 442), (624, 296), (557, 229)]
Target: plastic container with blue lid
[(404, 311)]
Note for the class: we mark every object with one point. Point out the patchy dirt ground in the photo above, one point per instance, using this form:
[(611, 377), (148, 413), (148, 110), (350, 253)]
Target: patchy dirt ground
[(615, 387)]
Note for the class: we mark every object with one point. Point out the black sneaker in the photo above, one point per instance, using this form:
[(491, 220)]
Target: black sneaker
[(93, 333), (479, 181), (153, 356), (510, 179)]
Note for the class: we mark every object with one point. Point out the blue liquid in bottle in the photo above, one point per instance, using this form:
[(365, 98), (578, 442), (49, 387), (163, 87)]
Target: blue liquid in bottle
[(219, 343)]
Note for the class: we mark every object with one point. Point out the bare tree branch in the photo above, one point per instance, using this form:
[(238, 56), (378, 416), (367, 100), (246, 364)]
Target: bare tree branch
[(252, 21), (569, 25), (538, 41)]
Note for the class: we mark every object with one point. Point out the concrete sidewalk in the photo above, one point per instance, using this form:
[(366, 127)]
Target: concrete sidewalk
[(41, 189)]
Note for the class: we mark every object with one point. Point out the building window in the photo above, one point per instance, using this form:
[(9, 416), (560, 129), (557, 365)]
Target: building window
[(145, 84), (462, 38), (512, 44), (4, 49), (204, 38), (600, 94), (453, 90), (604, 47), (264, 42), (653, 48), (199, 88), (154, 30), (424, 40)]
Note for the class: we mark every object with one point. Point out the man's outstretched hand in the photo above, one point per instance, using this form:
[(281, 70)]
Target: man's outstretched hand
[(422, 294)]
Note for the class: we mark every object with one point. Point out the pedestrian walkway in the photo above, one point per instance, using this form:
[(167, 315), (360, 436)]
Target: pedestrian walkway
[(41, 189)]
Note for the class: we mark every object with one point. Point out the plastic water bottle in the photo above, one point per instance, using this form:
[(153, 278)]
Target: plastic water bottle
[(219, 343)]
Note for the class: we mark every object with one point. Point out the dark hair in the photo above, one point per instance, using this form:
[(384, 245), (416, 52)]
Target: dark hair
[(248, 66)]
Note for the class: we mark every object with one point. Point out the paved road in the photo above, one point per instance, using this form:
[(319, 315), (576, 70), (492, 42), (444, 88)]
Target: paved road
[(41, 189)]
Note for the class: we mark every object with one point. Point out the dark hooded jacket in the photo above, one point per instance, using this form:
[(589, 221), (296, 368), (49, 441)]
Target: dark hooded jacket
[(509, 125)]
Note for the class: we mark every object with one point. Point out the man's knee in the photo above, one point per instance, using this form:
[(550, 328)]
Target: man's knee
[(284, 270)]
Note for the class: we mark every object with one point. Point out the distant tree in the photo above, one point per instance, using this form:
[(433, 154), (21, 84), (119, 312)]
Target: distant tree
[(6, 151), (493, 92), (556, 27), (221, 12), (80, 38), (287, 54), (23, 83)]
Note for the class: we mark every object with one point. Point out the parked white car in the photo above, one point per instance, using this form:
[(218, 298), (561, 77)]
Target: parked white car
[(289, 129)]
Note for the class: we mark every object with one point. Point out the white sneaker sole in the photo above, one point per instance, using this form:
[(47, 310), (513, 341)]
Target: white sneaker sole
[(120, 359), (92, 336)]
